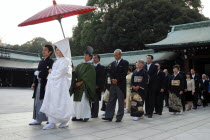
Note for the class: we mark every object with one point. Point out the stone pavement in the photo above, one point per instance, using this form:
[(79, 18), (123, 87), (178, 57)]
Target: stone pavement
[(192, 125)]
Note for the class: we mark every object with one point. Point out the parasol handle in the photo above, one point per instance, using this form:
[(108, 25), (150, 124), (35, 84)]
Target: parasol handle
[(59, 20)]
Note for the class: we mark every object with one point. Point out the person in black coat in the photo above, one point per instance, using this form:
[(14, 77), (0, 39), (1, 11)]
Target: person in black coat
[(100, 72), (205, 87), (166, 81), (152, 86), (159, 92), (197, 79), (118, 72), (39, 83)]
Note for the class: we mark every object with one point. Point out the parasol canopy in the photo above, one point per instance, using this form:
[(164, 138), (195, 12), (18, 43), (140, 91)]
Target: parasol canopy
[(56, 12)]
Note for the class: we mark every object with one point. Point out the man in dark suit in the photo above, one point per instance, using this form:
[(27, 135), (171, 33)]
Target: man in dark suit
[(100, 79), (166, 81), (205, 87), (118, 72), (159, 92), (39, 83), (197, 79), (152, 86)]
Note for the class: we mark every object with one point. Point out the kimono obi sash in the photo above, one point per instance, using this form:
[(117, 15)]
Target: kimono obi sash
[(175, 82), (138, 79), (128, 81)]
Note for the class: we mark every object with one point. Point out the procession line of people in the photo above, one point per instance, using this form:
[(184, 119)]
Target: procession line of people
[(62, 92)]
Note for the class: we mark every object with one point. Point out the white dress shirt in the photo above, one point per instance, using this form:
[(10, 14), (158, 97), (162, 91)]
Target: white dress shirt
[(148, 66)]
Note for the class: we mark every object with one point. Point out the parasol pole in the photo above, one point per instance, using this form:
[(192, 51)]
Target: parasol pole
[(59, 20)]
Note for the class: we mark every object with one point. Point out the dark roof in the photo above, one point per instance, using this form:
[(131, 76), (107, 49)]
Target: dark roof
[(191, 34)]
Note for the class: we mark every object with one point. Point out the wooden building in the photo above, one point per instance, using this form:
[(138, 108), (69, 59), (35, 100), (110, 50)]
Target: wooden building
[(17, 68), (191, 42)]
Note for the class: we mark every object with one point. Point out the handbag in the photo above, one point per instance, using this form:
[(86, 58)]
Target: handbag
[(106, 96)]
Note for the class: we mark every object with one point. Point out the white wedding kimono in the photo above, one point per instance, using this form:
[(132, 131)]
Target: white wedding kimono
[(57, 104)]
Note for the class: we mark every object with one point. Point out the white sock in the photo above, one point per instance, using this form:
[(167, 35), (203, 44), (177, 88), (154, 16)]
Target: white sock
[(49, 126), (62, 125)]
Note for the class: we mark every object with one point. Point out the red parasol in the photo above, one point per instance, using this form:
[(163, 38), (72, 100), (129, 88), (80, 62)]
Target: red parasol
[(56, 12)]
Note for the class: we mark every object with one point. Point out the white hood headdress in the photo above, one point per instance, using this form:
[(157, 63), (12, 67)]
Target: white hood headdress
[(64, 47)]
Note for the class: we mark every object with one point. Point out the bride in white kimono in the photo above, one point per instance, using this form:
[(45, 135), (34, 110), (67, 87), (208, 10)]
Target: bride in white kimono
[(57, 104)]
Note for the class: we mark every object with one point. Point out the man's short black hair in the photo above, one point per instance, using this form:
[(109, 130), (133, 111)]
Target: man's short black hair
[(151, 56), (50, 48), (192, 69), (97, 55), (176, 66)]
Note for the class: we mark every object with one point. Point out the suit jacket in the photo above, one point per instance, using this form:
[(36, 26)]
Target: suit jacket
[(160, 79), (166, 81), (205, 85), (152, 72), (197, 81), (184, 79), (43, 68), (119, 72), (100, 76)]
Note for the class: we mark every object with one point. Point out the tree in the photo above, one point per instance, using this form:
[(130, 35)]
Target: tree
[(129, 24), (33, 46)]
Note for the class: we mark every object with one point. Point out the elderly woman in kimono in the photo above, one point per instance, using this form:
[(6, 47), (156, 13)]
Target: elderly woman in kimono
[(57, 104), (176, 89), (139, 81)]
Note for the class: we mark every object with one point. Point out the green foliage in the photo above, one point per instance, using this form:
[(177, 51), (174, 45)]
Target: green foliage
[(33, 46), (129, 24)]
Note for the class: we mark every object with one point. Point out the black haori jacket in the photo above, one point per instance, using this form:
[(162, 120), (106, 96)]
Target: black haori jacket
[(43, 68)]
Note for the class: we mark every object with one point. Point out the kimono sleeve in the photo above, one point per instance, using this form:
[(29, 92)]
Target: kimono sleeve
[(61, 70)]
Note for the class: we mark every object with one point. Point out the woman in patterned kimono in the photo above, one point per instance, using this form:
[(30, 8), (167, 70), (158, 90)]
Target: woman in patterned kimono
[(176, 88), (139, 80), (128, 91)]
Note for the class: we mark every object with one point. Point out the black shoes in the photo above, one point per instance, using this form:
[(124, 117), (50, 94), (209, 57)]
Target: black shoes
[(94, 117), (75, 119), (146, 114), (149, 116), (85, 119), (118, 120), (107, 119)]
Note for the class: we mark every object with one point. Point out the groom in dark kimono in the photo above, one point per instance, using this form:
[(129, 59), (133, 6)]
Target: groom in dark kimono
[(100, 80), (39, 83)]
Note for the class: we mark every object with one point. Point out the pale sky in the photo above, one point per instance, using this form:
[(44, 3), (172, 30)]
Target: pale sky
[(13, 12)]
